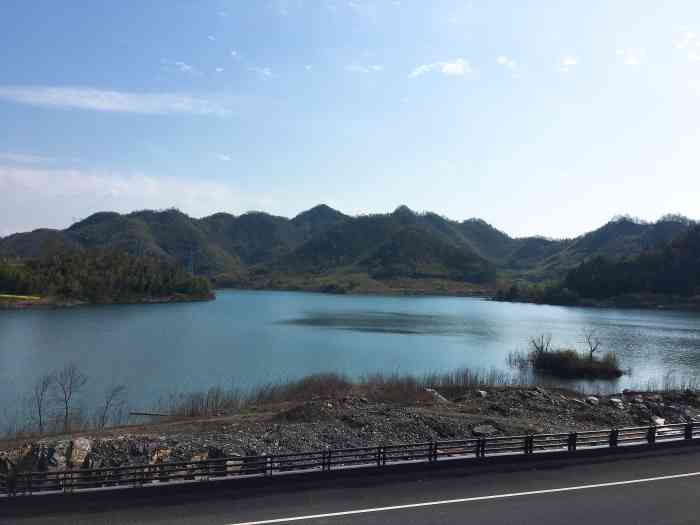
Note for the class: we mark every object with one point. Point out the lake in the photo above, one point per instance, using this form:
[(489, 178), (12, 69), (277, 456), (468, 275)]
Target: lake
[(247, 338)]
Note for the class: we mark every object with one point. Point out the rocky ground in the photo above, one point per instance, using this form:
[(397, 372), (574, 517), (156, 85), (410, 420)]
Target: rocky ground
[(350, 421)]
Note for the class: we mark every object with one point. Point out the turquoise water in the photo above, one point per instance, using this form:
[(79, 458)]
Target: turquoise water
[(246, 338)]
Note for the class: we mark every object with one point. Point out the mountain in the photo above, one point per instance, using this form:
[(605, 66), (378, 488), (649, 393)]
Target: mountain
[(259, 249), (673, 269)]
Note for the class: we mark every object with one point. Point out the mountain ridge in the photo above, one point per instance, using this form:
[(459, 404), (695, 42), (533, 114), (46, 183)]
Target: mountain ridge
[(323, 241)]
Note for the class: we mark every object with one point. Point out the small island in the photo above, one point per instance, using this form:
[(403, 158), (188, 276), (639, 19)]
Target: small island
[(70, 278)]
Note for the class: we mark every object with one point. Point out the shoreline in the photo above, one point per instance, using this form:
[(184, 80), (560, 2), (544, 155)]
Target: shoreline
[(48, 303), (351, 417)]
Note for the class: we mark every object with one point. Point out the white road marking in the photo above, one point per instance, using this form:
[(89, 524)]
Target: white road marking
[(467, 500)]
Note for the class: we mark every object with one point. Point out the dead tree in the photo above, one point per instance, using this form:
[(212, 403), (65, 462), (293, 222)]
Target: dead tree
[(542, 343), (40, 394), (113, 399), (69, 381), (591, 340)]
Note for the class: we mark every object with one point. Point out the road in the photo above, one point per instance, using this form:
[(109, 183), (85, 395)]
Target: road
[(635, 489)]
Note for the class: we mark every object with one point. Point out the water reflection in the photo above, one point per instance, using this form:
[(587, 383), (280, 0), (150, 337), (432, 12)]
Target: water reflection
[(393, 322)]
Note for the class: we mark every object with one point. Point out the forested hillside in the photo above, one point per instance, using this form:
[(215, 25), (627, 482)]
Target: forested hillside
[(100, 276), (322, 246), (673, 269)]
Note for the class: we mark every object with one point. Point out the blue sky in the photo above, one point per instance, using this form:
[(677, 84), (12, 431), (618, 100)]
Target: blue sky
[(540, 117)]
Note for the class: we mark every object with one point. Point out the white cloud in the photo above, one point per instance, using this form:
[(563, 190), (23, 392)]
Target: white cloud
[(113, 101), (357, 68), (234, 53), (58, 196), (23, 158), (211, 37), (457, 67), (179, 66), (219, 69), (223, 157), (262, 71), (567, 63), (506, 61), (689, 42), (631, 56), (308, 67)]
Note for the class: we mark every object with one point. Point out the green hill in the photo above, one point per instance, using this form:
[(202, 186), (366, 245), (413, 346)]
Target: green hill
[(262, 250)]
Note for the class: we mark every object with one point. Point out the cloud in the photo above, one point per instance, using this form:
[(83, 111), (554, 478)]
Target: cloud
[(567, 63), (212, 38), (223, 157), (179, 66), (58, 196), (219, 70), (113, 101), (506, 61), (234, 53), (688, 42), (357, 68), (23, 158), (262, 71), (457, 67), (308, 67), (631, 56)]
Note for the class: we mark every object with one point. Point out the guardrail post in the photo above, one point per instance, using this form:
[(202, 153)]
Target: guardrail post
[(328, 459), (433, 451), (383, 456), (529, 444), (651, 435), (268, 466), (689, 430), (571, 442), (379, 456), (481, 448), (614, 436)]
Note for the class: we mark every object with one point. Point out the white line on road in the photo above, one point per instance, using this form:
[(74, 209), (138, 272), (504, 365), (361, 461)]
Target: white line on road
[(466, 500)]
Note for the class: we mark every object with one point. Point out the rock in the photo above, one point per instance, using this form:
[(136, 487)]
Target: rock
[(161, 455), (364, 400), (80, 448), (577, 401), (482, 393), (638, 399), (484, 430), (329, 405), (658, 421), (437, 396), (592, 400), (617, 403)]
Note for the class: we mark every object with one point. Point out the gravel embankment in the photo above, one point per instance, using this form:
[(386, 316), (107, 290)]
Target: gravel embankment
[(349, 421)]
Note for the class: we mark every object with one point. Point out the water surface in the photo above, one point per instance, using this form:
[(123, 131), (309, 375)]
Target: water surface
[(247, 338)]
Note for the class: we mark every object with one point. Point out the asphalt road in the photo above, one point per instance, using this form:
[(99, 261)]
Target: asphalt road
[(634, 489)]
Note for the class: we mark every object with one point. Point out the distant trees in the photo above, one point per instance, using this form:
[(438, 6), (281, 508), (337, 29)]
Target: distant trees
[(100, 276), (673, 269)]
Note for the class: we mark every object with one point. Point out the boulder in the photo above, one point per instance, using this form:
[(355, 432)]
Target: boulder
[(592, 400), (79, 450), (482, 393), (484, 430), (616, 402), (658, 421), (638, 399), (437, 396)]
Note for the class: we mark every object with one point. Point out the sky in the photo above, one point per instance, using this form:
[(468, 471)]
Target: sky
[(539, 117)]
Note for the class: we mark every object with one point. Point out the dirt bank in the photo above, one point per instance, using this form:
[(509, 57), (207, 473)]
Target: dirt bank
[(352, 420)]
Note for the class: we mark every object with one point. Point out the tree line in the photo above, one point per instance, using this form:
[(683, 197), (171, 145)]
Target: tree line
[(99, 276)]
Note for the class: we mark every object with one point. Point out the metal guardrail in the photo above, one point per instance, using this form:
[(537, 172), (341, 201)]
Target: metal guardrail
[(68, 481)]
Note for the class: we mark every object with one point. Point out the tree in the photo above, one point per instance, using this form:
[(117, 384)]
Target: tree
[(591, 340), (542, 343), (113, 398), (69, 381), (40, 394)]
